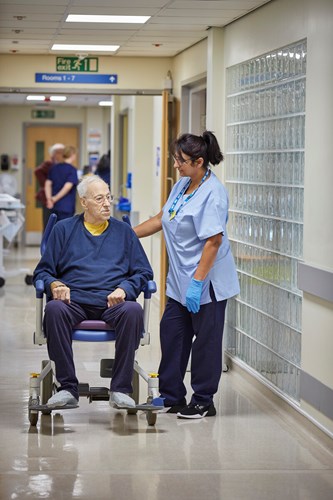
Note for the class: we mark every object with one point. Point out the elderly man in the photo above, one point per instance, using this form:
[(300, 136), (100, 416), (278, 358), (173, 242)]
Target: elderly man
[(41, 173), (93, 267)]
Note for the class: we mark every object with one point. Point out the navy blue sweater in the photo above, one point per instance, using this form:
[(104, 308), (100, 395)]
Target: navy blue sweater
[(93, 266)]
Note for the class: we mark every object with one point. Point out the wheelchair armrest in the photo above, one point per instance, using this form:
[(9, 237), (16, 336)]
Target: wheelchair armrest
[(39, 289), (149, 289), (39, 338)]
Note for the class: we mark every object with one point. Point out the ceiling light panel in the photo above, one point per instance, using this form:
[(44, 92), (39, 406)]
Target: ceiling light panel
[(35, 98), (58, 98), (105, 103), (83, 18), (90, 48)]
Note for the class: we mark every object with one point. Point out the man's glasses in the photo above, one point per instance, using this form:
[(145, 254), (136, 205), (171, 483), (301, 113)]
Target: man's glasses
[(100, 199)]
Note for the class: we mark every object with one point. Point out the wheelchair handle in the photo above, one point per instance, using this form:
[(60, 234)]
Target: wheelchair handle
[(49, 226), (127, 219)]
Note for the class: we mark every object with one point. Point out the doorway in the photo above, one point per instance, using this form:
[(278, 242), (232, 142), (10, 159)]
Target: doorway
[(38, 140)]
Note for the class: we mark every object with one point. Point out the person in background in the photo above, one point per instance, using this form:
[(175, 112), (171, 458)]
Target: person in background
[(86, 170), (41, 173), (60, 185), (93, 267), (103, 168), (201, 277)]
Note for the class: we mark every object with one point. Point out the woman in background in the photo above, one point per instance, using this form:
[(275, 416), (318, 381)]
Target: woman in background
[(60, 186), (103, 168)]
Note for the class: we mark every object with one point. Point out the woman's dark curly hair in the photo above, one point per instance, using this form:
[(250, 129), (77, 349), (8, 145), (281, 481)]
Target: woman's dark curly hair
[(198, 146)]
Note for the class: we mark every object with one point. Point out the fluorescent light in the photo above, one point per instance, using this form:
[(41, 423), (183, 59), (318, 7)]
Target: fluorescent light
[(89, 48), (35, 98), (80, 18), (58, 98), (105, 103)]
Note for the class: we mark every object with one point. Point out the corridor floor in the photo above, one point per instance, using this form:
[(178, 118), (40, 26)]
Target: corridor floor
[(255, 448)]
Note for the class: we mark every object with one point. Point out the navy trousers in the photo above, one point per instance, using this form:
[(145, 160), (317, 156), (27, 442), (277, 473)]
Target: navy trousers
[(125, 318), (182, 332)]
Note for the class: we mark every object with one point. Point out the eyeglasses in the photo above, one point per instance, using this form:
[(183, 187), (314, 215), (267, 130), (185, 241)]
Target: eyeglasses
[(180, 161), (100, 199)]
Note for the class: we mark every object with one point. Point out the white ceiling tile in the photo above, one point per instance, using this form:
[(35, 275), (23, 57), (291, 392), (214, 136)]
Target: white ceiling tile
[(175, 24)]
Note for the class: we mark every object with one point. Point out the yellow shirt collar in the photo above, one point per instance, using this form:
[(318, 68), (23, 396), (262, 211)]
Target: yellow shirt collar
[(94, 229)]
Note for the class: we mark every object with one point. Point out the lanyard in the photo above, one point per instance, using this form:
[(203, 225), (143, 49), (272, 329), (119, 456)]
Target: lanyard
[(172, 210)]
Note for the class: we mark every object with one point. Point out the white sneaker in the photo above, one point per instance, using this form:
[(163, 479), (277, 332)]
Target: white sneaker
[(119, 399), (62, 398)]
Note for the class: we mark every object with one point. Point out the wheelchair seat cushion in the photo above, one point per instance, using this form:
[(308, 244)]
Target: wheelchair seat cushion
[(91, 324)]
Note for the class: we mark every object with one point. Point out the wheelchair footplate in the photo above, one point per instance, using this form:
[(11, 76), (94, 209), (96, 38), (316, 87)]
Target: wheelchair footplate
[(52, 408), (142, 407)]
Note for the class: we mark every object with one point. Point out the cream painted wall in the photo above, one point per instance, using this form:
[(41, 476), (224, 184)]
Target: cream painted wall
[(188, 65), (21, 69), (12, 119), (144, 136), (274, 25), (142, 163)]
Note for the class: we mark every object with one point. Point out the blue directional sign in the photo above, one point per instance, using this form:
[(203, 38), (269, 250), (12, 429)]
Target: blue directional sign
[(75, 78)]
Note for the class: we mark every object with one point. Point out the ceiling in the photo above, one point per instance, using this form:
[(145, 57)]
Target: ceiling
[(33, 26)]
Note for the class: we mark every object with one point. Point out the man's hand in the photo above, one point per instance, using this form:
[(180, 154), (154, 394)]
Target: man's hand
[(116, 297), (61, 292)]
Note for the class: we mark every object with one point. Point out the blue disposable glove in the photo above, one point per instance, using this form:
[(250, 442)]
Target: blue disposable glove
[(193, 295)]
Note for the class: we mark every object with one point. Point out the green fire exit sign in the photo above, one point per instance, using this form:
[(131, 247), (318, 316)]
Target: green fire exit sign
[(88, 64), (42, 113)]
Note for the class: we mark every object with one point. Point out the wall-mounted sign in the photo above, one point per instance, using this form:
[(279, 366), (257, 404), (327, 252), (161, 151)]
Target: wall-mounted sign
[(94, 140), (75, 78), (42, 113), (88, 64)]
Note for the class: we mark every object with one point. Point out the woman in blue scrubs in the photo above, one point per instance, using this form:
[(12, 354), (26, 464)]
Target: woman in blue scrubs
[(201, 276)]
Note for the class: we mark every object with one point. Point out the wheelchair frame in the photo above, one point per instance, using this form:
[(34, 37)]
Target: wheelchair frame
[(42, 385)]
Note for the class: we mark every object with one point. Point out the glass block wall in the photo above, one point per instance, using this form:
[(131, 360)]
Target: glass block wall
[(264, 176)]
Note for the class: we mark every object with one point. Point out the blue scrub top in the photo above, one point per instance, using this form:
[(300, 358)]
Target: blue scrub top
[(203, 216), (59, 175)]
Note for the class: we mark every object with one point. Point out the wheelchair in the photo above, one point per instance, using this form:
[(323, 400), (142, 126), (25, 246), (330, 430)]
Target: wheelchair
[(43, 384)]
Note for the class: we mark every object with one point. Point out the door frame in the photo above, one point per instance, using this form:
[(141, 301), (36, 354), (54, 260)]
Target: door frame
[(190, 112)]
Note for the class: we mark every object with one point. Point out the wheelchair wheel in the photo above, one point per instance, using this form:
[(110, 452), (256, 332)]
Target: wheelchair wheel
[(47, 387), (151, 417), (33, 418), (135, 393), (33, 415)]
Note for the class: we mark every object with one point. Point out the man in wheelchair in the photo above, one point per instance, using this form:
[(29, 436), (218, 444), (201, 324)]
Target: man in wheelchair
[(93, 267)]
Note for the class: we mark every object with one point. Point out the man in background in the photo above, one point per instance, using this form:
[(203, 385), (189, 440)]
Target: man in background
[(41, 173)]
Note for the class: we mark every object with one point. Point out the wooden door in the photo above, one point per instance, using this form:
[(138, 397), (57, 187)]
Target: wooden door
[(170, 129), (38, 140)]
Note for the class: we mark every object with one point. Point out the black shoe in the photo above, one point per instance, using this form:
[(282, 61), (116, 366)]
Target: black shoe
[(175, 408), (197, 411)]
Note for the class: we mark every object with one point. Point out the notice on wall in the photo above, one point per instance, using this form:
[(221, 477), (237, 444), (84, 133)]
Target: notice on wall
[(94, 140)]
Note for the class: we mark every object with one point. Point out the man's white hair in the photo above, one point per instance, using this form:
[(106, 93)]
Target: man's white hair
[(83, 185), (55, 148)]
